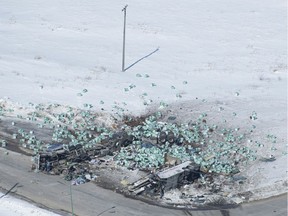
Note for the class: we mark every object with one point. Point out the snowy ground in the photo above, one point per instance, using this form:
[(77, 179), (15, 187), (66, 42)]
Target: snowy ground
[(15, 207), (50, 51), (232, 54)]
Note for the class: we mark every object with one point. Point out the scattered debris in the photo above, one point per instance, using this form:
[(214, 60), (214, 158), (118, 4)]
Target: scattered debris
[(172, 155), (167, 179), (70, 162), (172, 118), (271, 158), (177, 175), (79, 180), (170, 160)]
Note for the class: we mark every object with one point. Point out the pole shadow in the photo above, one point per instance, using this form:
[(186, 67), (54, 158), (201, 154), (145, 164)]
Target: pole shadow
[(142, 59)]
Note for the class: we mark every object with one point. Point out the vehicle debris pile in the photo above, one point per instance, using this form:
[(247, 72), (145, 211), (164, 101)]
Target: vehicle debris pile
[(171, 154), (71, 161), (166, 179), (76, 164)]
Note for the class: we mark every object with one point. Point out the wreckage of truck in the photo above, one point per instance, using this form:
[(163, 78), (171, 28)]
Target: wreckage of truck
[(70, 162), (59, 160), (166, 179)]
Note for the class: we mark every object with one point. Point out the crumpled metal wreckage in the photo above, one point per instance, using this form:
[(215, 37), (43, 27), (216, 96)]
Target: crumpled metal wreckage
[(166, 179), (73, 161)]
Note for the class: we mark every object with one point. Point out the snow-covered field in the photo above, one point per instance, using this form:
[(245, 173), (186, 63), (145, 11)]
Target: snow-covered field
[(52, 50), (232, 54)]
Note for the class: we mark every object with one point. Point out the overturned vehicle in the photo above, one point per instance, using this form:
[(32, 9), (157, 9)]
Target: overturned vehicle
[(74, 163), (166, 179), (169, 156), (59, 159)]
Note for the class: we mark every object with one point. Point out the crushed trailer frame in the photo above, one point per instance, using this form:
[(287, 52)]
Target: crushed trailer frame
[(60, 160)]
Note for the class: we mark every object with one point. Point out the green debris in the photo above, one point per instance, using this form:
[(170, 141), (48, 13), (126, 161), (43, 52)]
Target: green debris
[(88, 105), (131, 86), (212, 156), (253, 116), (214, 148), (162, 105), (3, 143), (272, 138), (146, 158)]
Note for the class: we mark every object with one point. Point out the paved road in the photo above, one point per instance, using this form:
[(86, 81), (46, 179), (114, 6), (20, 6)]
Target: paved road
[(89, 199)]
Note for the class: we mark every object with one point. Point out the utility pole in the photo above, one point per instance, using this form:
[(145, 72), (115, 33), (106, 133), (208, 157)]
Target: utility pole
[(124, 34)]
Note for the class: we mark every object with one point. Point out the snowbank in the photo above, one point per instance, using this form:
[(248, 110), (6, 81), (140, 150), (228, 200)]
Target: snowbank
[(10, 206)]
